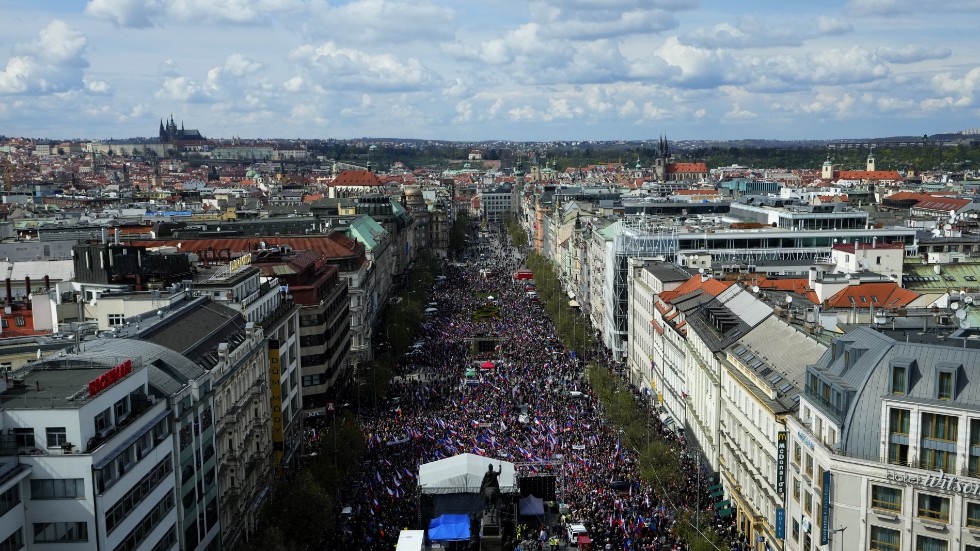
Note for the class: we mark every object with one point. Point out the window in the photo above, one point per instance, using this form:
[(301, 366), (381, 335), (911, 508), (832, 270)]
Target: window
[(939, 427), (140, 491), (796, 530), (24, 438), (886, 499), (925, 543), (9, 500), (973, 465), (796, 489), (808, 503), (56, 436), (933, 507), (103, 420), (14, 542), (116, 320), (885, 539), (809, 465), (900, 377), (147, 524), (934, 459), (19, 320), (57, 488), (945, 385), (121, 409), (898, 421), (796, 452), (60, 532), (972, 515)]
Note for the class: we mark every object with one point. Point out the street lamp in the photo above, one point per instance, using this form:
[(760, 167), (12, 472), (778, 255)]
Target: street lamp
[(835, 531)]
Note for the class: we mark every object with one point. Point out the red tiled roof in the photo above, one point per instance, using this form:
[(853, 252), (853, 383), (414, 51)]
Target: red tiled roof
[(334, 245), (907, 196), (356, 178), (687, 168), (872, 294), (800, 286), (711, 286), (942, 203), (869, 174)]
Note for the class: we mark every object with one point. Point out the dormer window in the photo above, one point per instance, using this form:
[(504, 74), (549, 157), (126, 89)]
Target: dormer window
[(946, 380), (901, 375)]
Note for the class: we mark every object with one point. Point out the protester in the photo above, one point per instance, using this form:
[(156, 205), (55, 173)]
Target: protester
[(520, 410)]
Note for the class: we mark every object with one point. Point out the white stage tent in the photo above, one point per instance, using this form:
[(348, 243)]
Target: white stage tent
[(463, 474)]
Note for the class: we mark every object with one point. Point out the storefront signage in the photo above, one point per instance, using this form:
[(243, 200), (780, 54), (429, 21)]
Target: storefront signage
[(781, 439), (825, 509), (109, 378), (781, 523), (240, 262), (938, 480), (805, 439), (276, 392)]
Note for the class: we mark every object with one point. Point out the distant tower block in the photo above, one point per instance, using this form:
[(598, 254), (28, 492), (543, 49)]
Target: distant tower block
[(828, 170), (871, 162)]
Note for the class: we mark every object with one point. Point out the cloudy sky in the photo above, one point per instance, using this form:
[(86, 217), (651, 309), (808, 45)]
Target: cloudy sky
[(490, 69)]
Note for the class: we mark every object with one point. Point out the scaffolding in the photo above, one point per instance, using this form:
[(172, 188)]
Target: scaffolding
[(636, 236)]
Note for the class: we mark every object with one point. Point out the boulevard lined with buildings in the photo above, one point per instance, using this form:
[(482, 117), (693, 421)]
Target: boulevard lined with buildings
[(168, 326)]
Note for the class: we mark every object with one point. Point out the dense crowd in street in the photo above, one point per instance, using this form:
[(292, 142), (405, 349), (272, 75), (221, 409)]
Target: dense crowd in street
[(533, 406)]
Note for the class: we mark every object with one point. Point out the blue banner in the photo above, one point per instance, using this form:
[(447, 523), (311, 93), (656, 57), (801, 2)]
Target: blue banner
[(781, 523), (825, 509)]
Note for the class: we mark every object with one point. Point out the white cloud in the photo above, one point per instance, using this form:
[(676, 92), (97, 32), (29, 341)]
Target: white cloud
[(738, 114), (149, 13), (97, 86), (294, 84), (52, 63), (464, 111), (182, 89), (912, 54), (382, 21), (833, 26), (344, 68), (894, 8), (964, 89)]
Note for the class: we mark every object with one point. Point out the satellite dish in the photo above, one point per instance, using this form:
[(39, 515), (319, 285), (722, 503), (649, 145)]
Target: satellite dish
[(961, 315), (954, 306), (965, 324), (789, 299), (968, 300), (755, 289), (701, 271)]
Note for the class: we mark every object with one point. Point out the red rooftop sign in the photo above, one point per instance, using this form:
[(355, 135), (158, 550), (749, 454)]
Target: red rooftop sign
[(107, 379)]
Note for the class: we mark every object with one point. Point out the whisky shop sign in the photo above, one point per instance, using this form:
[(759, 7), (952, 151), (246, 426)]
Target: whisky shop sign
[(937, 481)]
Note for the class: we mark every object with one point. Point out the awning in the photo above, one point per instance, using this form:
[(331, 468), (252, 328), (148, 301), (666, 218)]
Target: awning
[(573, 304)]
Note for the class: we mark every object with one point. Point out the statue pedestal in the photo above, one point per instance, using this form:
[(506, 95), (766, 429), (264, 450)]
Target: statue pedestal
[(491, 540)]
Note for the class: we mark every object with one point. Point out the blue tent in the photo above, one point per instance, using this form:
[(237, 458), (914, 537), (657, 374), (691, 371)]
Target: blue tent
[(449, 528)]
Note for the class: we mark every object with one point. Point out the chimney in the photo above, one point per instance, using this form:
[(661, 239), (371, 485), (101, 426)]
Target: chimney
[(27, 286), (813, 276), (10, 293), (47, 283), (117, 236)]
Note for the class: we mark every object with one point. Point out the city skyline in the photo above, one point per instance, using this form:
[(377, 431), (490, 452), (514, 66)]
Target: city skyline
[(440, 69)]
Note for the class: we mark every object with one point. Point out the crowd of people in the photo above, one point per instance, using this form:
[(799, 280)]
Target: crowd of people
[(533, 407)]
